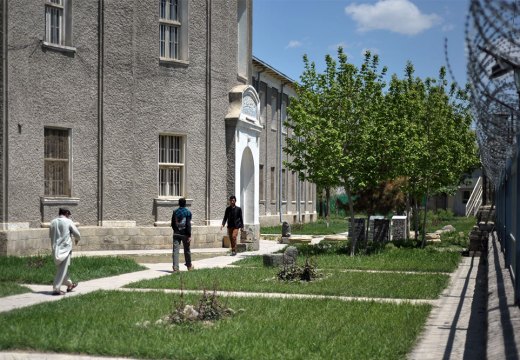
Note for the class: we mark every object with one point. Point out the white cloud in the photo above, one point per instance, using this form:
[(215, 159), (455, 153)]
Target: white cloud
[(448, 27), (400, 16), (294, 44)]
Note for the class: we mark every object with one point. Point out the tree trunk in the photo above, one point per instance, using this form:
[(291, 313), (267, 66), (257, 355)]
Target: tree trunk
[(416, 219), (351, 227), (327, 202)]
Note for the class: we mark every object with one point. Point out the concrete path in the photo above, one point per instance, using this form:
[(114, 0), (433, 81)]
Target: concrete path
[(445, 336)]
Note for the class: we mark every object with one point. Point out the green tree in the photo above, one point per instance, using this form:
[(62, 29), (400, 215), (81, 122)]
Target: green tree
[(439, 143), (312, 145)]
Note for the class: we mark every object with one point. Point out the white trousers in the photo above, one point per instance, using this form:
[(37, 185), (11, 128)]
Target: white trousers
[(62, 275)]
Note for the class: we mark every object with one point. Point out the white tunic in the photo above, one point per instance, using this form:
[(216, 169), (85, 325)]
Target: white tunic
[(60, 233)]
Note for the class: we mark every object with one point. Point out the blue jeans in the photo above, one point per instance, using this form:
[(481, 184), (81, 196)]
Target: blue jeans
[(177, 239)]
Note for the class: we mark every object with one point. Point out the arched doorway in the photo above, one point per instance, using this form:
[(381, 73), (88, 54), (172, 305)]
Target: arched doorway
[(247, 186)]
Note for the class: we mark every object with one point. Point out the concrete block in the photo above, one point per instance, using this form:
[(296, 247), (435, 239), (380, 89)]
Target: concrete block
[(273, 259)]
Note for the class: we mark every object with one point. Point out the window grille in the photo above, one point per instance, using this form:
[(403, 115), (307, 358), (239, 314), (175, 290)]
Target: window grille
[(169, 28), (171, 165), (56, 162), (54, 26)]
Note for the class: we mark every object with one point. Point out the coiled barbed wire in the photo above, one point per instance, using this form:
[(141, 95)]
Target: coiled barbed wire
[(493, 59)]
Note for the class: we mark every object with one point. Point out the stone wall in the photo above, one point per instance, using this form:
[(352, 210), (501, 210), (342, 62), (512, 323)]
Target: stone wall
[(36, 241)]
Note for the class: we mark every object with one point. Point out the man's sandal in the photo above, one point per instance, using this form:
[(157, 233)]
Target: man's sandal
[(72, 287), (58, 292)]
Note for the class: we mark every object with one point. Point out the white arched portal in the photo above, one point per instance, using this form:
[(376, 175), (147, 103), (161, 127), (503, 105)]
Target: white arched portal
[(244, 129), (247, 186)]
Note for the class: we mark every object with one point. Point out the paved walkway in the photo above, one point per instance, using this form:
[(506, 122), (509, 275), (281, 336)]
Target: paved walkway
[(455, 328)]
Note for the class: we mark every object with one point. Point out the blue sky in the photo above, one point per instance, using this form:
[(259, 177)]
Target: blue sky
[(397, 30)]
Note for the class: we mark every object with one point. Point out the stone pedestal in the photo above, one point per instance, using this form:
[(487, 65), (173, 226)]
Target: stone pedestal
[(399, 228), (371, 226), (357, 230), (381, 231)]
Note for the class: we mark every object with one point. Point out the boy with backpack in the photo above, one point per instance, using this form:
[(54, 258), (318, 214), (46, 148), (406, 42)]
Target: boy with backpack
[(181, 224)]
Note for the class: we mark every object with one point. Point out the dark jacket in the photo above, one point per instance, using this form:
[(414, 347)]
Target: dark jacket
[(233, 216), (181, 222)]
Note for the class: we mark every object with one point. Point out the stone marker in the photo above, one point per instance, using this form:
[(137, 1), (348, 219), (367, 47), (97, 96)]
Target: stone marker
[(357, 230), (399, 228), (381, 231), (286, 229)]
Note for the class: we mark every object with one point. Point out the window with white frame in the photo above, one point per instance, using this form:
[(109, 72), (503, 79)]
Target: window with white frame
[(261, 183), (171, 165), (274, 109), (285, 101), (273, 184), (284, 185), (173, 38), (56, 160), (262, 92), (58, 22), (293, 185)]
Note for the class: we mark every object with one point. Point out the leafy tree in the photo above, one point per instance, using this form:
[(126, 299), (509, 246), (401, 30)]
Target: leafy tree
[(439, 143), (312, 147)]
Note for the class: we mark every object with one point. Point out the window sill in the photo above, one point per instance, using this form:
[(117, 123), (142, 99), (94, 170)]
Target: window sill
[(54, 201), (173, 62), (61, 48), (262, 201), (170, 201), (169, 22)]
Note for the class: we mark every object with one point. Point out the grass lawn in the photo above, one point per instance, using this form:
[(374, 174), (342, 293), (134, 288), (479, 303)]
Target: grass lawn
[(391, 259), (8, 288), (104, 323), (41, 270), (334, 282), (337, 225)]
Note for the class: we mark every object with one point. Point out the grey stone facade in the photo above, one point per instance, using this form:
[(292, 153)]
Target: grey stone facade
[(110, 89), (283, 197)]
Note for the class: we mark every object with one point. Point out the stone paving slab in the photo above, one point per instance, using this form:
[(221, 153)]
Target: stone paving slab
[(446, 330), (503, 316)]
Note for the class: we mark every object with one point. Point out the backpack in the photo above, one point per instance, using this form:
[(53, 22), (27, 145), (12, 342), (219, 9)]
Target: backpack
[(180, 221)]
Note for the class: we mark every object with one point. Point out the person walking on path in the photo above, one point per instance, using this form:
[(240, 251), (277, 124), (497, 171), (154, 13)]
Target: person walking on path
[(61, 229), (233, 217), (181, 224)]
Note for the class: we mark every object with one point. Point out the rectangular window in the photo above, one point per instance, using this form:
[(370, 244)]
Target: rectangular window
[(302, 191), (285, 101), (56, 159), (262, 95), (170, 21), (171, 166), (54, 22), (274, 109), (284, 186), (58, 22), (273, 184), (261, 183), (293, 186)]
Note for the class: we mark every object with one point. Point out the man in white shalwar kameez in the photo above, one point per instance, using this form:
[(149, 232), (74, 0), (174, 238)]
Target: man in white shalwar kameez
[(60, 233)]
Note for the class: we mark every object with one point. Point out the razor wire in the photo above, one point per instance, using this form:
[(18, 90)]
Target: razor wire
[(493, 62)]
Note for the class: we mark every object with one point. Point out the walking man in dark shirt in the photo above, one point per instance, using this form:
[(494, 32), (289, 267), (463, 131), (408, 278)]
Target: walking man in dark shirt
[(181, 225), (233, 217)]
